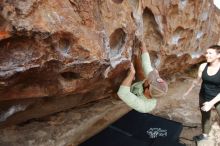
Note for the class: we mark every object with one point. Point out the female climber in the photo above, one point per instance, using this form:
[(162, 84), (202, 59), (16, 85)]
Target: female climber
[(141, 96)]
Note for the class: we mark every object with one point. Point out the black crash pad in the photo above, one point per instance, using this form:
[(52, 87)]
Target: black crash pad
[(138, 129)]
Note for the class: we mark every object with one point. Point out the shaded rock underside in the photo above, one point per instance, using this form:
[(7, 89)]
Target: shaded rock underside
[(56, 55)]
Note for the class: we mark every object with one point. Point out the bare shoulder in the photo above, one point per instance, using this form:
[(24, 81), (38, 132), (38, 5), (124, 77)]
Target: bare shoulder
[(202, 66)]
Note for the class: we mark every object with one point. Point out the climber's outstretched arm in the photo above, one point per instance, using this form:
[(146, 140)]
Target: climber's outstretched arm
[(145, 60), (130, 77)]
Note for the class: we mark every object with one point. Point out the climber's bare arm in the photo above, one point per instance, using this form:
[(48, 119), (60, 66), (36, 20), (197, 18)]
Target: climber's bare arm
[(143, 47), (130, 77), (197, 80)]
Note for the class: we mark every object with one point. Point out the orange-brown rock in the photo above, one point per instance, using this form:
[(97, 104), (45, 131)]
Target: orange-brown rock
[(74, 52)]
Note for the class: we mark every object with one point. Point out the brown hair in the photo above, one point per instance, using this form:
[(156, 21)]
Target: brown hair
[(216, 47)]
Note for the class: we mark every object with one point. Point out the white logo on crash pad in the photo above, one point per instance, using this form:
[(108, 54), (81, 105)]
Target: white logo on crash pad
[(156, 132)]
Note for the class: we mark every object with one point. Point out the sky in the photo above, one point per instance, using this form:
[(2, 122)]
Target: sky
[(217, 3)]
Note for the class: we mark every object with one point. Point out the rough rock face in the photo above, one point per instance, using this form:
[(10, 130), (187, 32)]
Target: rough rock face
[(58, 54)]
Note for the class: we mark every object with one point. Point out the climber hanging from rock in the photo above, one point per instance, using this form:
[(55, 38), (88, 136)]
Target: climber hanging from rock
[(142, 96)]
